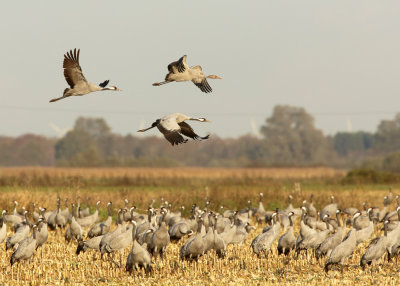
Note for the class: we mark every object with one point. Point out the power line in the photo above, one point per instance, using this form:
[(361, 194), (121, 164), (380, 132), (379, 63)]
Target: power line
[(142, 112)]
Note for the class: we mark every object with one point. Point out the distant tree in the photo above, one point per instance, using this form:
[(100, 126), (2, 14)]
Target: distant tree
[(74, 144), (392, 162), (95, 127), (347, 142), (292, 139), (387, 138), (27, 150)]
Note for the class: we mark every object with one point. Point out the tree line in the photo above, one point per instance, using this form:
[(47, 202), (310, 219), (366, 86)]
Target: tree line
[(289, 138)]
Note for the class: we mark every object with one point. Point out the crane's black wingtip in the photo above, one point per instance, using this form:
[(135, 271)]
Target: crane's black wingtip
[(104, 84)]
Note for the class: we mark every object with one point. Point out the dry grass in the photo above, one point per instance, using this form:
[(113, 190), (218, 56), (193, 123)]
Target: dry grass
[(60, 264), (209, 173)]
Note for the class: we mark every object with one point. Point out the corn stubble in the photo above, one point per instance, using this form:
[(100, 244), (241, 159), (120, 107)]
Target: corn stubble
[(59, 263)]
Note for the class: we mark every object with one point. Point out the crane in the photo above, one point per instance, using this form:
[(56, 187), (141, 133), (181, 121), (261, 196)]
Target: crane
[(180, 71), (76, 80), (173, 126)]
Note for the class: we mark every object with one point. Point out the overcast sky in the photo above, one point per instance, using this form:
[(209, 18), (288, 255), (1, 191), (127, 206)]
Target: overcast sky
[(340, 60)]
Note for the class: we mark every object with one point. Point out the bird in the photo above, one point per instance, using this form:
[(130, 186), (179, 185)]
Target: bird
[(42, 235), (91, 219), (102, 227), (375, 251), (180, 71), (93, 243), (18, 236), (3, 229), (262, 243), (173, 126), (195, 246), (119, 243), (329, 209), (287, 241), (76, 80), (25, 249), (159, 241), (260, 212), (325, 248), (138, 256), (74, 231), (341, 251)]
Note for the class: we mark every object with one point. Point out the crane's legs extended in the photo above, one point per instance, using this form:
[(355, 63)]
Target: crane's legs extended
[(160, 83)]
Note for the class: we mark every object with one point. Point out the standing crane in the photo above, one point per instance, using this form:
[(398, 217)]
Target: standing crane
[(76, 80), (180, 71), (173, 126)]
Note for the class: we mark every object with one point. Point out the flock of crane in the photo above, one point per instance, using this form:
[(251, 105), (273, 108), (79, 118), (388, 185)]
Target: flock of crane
[(324, 232), (172, 126)]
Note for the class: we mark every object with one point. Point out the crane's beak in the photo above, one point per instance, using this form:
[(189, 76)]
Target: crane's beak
[(217, 77), (207, 120)]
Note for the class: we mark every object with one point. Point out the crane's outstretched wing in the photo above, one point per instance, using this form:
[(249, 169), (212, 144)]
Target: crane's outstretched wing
[(189, 132), (203, 85), (170, 129), (72, 70), (178, 66), (174, 138), (201, 81)]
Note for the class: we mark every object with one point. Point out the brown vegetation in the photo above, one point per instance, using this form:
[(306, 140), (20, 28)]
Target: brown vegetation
[(230, 187)]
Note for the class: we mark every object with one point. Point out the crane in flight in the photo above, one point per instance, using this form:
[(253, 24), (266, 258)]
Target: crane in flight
[(173, 126), (76, 80), (180, 71)]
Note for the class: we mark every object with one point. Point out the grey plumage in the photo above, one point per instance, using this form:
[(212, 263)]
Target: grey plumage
[(364, 233), (76, 80), (91, 219), (118, 243), (138, 257), (159, 241), (194, 247), (179, 71), (219, 245), (42, 234), (375, 251), (314, 240), (25, 249), (329, 209), (18, 236), (74, 231), (93, 243), (173, 126), (102, 227), (3, 229), (287, 241), (110, 236), (263, 242), (179, 230), (342, 251), (59, 220), (332, 241)]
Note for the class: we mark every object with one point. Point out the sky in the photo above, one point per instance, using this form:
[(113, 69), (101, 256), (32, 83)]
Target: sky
[(340, 60)]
